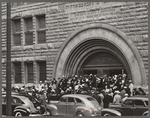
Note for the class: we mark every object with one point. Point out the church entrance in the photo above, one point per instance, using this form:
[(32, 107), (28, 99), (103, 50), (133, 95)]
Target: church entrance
[(102, 63), (99, 49)]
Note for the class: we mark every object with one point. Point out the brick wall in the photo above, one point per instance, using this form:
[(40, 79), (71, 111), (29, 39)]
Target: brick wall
[(64, 18)]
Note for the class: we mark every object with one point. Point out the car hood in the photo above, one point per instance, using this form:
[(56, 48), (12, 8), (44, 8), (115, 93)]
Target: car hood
[(95, 106), (30, 105)]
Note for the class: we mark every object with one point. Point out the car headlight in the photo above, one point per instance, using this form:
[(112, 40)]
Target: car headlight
[(28, 109)]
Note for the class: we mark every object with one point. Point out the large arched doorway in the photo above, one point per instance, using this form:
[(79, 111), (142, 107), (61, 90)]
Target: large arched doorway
[(75, 55), (102, 63)]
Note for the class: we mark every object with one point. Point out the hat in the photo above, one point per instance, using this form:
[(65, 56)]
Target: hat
[(130, 80), (124, 87), (107, 90), (22, 89), (117, 92), (76, 75), (126, 94)]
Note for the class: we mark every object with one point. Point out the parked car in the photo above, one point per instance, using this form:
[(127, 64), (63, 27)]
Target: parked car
[(79, 105), (146, 113), (132, 106), (21, 106)]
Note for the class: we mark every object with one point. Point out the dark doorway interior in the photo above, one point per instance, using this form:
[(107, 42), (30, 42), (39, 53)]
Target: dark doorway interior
[(88, 72)]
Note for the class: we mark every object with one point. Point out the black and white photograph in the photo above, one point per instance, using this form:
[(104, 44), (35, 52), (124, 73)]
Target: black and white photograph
[(70, 59)]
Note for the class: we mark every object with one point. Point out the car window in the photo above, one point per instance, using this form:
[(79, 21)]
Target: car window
[(91, 99), (146, 102), (17, 101), (128, 102), (139, 103), (70, 99), (78, 100), (63, 99)]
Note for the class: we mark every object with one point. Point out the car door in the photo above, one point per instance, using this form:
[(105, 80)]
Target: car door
[(140, 107), (4, 102), (62, 106), (3, 105), (14, 103), (128, 108), (70, 106)]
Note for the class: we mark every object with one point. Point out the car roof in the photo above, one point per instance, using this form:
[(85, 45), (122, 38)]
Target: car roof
[(21, 97), (77, 95), (138, 98)]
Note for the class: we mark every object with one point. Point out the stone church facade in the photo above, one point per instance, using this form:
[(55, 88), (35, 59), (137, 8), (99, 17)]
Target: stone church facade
[(49, 40)]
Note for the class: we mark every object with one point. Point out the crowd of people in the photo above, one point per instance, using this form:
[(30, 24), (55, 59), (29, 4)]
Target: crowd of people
[(106, 89)]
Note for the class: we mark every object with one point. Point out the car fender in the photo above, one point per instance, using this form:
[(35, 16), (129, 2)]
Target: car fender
[(146, 113), (22, 109), (86, 111), (112, 111), (52, 108)]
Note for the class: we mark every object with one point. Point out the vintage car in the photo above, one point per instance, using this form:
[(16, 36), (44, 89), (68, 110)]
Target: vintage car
[(79, 105), (146, 113), (132, 106), (21, 106)]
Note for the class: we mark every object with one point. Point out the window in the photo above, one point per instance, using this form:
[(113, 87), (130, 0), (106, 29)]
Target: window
[(17, 101), (128, 102), (30, 72), (16, 26), (70, 99), (41, 31), (146, 103), (63, 99), (28, 31), (17, 69), (91, 99), (42, 70), (78, 100), (139, 103)]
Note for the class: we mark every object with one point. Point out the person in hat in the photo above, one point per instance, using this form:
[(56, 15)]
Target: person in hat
[(123, 92), (117, 98), (101, 97), (107, 99), (124, 98), (131, 87), (42, 100), (40, 85)]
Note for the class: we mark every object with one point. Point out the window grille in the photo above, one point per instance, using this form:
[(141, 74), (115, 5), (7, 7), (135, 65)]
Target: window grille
[(17, 39), (42, 71), (29, 38), (41, 32), (41, 37), (41, 20), (28, 31), (17, 67), (30, 73), (16, 26), (29, 25)]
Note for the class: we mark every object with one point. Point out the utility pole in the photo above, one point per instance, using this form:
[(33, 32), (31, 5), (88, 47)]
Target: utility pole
[(8, 64)]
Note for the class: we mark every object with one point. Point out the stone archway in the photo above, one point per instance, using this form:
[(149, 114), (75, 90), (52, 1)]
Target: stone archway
[(96, 37)]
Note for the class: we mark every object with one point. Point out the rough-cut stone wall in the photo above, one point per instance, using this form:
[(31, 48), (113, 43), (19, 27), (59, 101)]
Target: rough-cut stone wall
[(64, 18)]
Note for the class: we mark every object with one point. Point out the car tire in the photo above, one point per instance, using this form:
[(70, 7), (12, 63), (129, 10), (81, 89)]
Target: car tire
[(107, 114), (48, 113), (80, 114), (18, 114)]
